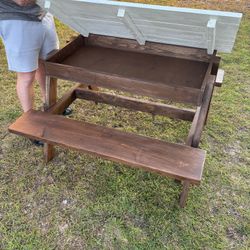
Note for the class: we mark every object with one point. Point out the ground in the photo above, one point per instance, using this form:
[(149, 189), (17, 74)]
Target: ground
[(81, 202)]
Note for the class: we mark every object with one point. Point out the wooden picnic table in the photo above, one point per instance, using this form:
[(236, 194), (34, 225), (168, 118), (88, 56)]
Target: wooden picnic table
[(161, 52)]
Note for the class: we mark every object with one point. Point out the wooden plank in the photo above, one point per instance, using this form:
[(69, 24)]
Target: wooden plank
[(68, 98), (203, 112), (211, 36), (161, 24), (51, 91), (149, 48), (59, 12), (132, 103), (47, 4), (68, 50), (127, 20), (51, 98), (141, 66), (173, 160), (184, 194), (209, 105), (216, 65), (134, 86), (191, 133), (207, 77), (219, 78)]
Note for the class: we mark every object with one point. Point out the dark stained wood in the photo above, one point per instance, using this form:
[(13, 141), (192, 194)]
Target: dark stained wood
[(176, 73), (216, 65), (134, 86), (68, 98), (51, 98), (191, 133), (165, 76), (51, 54), (49, 152), (184, 193), (146, 67), (213, 83), (174, 160), (51, 91), (67, 50), (132, 103), (203, 111), (149, 48), (207, 77)]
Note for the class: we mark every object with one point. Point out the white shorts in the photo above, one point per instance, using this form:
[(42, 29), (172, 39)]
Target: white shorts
[(26, 41)]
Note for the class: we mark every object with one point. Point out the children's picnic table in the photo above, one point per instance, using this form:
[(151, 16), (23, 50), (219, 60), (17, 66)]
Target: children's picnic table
[(147, 50)]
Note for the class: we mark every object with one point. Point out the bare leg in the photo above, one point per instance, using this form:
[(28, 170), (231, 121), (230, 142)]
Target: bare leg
[(41, 78), (25, 90)]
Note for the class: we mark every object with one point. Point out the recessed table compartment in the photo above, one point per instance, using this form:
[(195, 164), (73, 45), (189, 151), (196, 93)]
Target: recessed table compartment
[(152, 74), (170, 71)]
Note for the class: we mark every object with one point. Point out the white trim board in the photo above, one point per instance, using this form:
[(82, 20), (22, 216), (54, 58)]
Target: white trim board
[(207, 29)]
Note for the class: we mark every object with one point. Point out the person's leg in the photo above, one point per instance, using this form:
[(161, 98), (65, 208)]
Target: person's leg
[(25, 90), (25, 94), (41, 78)]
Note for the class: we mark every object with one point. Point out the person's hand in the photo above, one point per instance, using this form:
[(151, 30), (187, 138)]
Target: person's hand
[(24, 2)]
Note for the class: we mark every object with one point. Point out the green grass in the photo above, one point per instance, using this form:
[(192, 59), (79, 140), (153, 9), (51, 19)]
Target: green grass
[(81, 202)]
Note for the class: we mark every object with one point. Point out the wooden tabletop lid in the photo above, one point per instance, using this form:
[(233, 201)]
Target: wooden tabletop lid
[(207, 29)]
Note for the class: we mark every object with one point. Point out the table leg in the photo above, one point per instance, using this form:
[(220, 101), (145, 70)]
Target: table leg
[(184, 193), (51, 98)]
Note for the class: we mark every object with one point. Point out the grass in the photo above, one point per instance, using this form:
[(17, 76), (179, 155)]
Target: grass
[(81, 202)]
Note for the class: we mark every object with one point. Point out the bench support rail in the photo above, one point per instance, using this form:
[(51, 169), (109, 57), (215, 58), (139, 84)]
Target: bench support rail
[(136, 104)]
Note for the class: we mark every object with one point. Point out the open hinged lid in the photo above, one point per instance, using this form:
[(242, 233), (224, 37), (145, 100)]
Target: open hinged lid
[(211, 30)]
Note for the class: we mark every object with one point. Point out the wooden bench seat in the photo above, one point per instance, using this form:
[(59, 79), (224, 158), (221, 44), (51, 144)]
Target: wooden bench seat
[(177, 161)]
